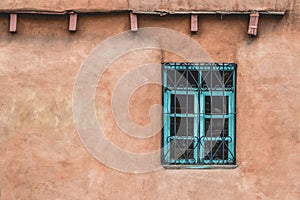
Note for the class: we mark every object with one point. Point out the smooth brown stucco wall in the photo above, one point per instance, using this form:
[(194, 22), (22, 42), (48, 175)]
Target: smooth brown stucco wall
[(42, 157)]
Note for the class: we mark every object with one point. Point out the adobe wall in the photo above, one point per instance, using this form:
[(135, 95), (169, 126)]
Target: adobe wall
[(146, 5), (42, 157)]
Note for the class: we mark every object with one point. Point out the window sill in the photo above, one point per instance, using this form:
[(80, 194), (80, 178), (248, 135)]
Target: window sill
[(200, 166)]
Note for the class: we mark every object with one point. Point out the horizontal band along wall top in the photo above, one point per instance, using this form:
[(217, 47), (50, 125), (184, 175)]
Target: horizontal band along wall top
[(153, 5), (161, 13)]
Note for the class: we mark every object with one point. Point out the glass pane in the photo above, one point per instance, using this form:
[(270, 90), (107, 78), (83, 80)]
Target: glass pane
[(182, 79), (205, 80), (228, 79), (216, 127), (180, 76), (217, 80), (212, 80), (193, 77), (182, 103), (182, 149), (216, 150), (216, 105), (182, 126), (170, 78)]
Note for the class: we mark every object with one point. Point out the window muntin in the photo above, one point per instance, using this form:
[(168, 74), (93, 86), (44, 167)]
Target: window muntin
[(199, 113)]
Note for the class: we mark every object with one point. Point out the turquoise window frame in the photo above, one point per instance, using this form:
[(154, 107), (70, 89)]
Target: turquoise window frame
[(168, 115), (199, 116), (231, 123)]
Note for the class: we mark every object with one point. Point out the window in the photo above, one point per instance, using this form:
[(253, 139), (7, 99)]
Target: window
[(198, 114)]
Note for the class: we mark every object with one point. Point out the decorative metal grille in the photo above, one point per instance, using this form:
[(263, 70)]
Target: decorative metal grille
[(199, 113)]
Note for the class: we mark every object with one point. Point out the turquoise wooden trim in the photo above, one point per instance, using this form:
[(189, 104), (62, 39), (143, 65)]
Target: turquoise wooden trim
[(182, 115), (233, 107), (183, 89), (182, 137), (216, 93), (231, 127), (196, 122), (231, 135), (167, 105), (230, 116), (216, 139), (179, 92), (182, 161), (211, 167), (218, 161), (234, 80), (202, 125), (167, 130), (217, 116), (200, 66)]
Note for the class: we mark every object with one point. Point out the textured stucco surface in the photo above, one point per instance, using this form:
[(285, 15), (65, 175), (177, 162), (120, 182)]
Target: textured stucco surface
[(146, 5), (42, 157)]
